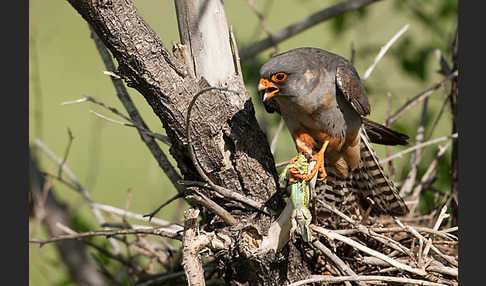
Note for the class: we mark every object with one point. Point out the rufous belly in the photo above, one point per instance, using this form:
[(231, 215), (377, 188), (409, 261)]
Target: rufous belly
[(341, 153)]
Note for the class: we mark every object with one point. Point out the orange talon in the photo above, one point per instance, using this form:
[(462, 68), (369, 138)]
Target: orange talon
[(319, 166)]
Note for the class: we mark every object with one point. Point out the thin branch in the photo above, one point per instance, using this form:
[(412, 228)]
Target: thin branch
[(333, 279), (415, 147), (417, 156), (333, 235), (421, 96), (201, 199), (440, 233), (302, 25), (428, 177), (66, 153), (437, 119), (160, 231), (382, 52), (152, 214), (367, 231), (158, 136), (79, 188), (441, 217), (343, 267), (135, 116), (262, 20), (134, 124), (413, 231), (127, 214)]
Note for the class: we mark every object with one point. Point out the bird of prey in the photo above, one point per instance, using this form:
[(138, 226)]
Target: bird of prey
[(323, 103)]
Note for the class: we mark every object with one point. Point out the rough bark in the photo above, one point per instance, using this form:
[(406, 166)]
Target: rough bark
[(228, 142)]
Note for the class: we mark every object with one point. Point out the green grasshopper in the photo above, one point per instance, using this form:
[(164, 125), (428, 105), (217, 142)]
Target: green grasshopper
[(299, 196)]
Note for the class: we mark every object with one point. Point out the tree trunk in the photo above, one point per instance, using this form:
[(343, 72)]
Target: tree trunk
[(228, 143)]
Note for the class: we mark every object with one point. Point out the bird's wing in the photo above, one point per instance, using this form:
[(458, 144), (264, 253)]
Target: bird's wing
[(380, 134), (349, 84)]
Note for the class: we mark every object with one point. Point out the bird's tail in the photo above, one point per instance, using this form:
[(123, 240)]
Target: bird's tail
[(368, 181), (371, 180)]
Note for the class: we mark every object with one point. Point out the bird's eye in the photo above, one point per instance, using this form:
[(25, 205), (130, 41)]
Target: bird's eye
[(279, 77)]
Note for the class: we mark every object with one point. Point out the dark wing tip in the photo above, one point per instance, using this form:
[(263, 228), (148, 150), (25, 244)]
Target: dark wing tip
[(380, 134)]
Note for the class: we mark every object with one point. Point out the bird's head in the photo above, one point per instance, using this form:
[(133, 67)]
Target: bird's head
[(290, 74)]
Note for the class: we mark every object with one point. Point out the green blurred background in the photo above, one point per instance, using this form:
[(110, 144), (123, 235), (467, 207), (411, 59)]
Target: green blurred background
[(113, 164)]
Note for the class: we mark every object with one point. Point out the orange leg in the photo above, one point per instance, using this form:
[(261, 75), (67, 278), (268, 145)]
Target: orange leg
[(319, 166)]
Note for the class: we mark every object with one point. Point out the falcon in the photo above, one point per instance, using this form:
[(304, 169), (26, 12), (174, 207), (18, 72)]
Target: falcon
[(323, 103)]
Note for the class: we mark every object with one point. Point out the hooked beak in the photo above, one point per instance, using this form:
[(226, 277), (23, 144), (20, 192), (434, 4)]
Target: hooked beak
[(269, 87)]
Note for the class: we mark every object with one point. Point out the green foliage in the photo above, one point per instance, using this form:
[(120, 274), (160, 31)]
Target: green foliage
[(80, 224), (413, 59)]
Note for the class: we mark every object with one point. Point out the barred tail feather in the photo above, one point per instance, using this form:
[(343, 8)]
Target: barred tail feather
[(368, 180), (372, 182)]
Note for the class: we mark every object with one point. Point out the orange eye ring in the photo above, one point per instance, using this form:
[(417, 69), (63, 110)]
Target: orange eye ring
[(279, 77)]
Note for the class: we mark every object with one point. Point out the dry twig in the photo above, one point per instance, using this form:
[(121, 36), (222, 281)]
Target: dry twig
[(291, 30)]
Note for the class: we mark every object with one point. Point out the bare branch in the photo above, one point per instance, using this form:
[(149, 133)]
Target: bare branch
[(160, 231), (413, 231), (383, 50), (334, 258), (127, 214), (415, 147), (421, 96), (333, 279), (333, 235), (66, 153), (135, 116), (201, 199), (265, 26), (302, 25), (192, 244), (161, 137), (417, 156), (428, 177), (84, 193)]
